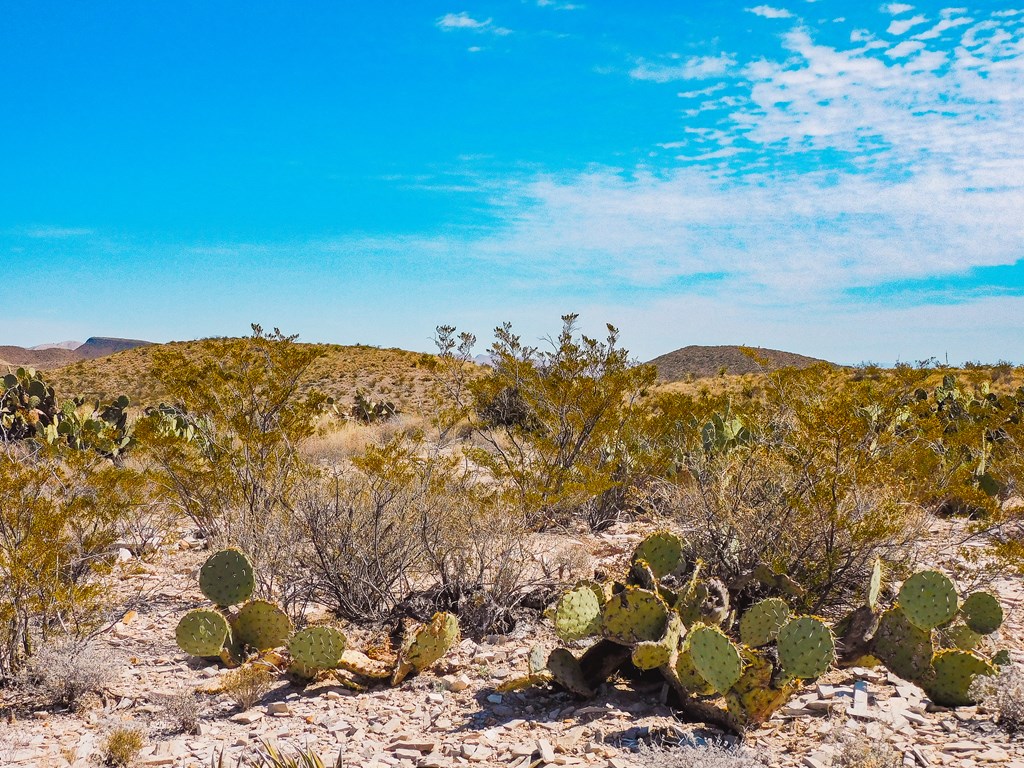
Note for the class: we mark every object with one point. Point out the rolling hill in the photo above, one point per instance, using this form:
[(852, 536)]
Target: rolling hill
[(703, 362), (46, 357), (391, 374)]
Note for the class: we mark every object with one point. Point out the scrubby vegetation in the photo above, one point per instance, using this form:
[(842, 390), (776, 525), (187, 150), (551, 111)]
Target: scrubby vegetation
[(786, 498)]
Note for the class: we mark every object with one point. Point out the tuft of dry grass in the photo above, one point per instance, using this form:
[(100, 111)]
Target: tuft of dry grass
[(247, 684), (122, 744)]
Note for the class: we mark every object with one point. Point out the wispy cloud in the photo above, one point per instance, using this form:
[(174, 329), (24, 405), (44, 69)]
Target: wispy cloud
[(693, 68), (559, 6), (463, 21), (770, 12), (56, 233), (895, 9), (900, 26)]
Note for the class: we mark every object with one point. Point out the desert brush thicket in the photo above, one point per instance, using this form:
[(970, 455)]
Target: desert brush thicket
[(791, 490)]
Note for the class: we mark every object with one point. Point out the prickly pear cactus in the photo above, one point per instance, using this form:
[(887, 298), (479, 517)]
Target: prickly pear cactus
[(806, 647), (715, 657), (982, 613), (634, 615), (663, 553), (566, 671), (202, 632), (904, 648), (262, 625), (316, 648), (578, 614), (227, 578), (651, 654), (426, 645), (953, 671), (928, 599), (761, 623)]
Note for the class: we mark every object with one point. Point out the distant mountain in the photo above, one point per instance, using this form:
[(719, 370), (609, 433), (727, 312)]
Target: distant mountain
[(49, 356), (57, 345), (701, 361)]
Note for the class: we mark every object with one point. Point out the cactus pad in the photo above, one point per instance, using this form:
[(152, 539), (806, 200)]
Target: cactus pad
[(202, 632), (753, 699), (761, 623), (806, 647), (426, 645), (634, 615), (902, 647), (982, 613), (361, 664), (537, 661), (651, 654), (960, 636), (715, 657), (954, 671), (566, 671), (227, 578), (578, 614), (663, 552), (689, 678), (875, 585), (262, 625), (316, 648), (928, 599)]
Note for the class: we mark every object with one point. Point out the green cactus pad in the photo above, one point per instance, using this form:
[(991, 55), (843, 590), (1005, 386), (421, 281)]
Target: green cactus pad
[(1002, 658), (754, 698), (875, 585), (663, 552), (806, 647), (715, 657), (928, 599), (960, 636), (566, 671), (426, 645), (316, 648), (578, 614), (651, 654), (262, 625), (226, 578), (202, 632), (761, 623), (634, 615), (982, 613), (954, 671), (689, 678), (904, 648)]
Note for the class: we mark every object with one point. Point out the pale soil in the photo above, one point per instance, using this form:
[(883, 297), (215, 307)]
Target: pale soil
[(452, 716)]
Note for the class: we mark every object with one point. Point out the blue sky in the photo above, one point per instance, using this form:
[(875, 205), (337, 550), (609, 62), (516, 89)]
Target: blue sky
[(841, 179)]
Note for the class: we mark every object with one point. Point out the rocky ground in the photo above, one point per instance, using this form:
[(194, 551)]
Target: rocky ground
[(452, 715)]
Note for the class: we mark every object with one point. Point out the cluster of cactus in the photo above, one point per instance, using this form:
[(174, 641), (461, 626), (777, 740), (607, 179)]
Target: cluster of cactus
[(91, 424), (735, 669), (28, 406), (238, 629), (372, 411), (724, 432)]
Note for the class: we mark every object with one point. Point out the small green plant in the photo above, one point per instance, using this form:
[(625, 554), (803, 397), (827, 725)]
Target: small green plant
[(121, 745), (247, 684)]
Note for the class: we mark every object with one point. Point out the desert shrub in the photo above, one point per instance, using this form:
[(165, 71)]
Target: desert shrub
[(704, 756), (66, 671), (226, 448), (247, 684), (269, 755), (59, 516), (183, 710), (121, 745), (865, 749), (1003, 696), (549, 421), (799, 480)]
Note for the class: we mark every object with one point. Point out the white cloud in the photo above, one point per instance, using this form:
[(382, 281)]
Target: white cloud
[(702, 92), (694, 68), (899, 26), (904, 49), (771, 13), (895, 9), (463, 21), (558, 6), (56, 233), (942, 26)]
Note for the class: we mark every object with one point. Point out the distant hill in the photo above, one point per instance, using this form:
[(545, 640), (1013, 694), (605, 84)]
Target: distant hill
[(702, 362), (49, 356), (389, 374), (57, 345)]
